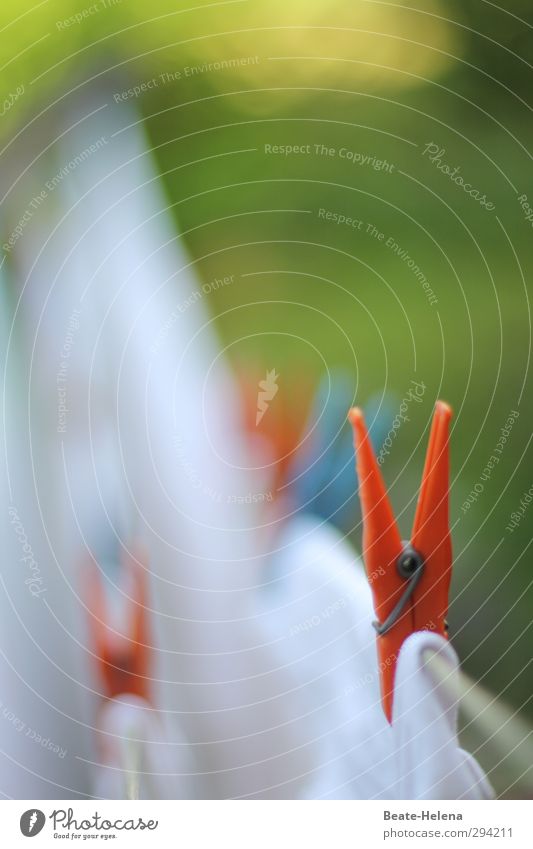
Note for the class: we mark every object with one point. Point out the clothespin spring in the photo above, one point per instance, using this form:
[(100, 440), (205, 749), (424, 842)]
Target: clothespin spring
[(410, 565)]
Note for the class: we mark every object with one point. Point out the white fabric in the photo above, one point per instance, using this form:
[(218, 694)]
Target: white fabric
[(430, 763), (318, 615), (132, 742)]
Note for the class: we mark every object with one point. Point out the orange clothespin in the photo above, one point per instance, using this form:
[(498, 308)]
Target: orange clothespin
[(122, 651), (410, 580)]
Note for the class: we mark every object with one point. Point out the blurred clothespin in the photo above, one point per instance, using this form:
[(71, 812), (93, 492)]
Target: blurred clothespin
[(320, 479), (409, 580), (121, 644)]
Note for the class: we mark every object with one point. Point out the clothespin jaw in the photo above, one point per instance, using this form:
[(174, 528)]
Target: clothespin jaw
[(409, 580), (122, 655)]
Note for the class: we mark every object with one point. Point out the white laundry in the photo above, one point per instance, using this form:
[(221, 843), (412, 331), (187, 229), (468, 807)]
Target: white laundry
[(318, 616)]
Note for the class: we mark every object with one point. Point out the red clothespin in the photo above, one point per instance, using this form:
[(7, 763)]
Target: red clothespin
[(122, 653), (410, 580)]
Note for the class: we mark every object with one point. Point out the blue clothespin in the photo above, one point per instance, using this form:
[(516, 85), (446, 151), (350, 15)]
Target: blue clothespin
[(320, 480)]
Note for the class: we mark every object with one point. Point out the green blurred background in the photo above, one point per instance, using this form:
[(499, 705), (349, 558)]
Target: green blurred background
[(384, 80)]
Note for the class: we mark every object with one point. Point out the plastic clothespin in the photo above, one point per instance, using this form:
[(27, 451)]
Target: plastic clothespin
[(409, 580), (122, 652)]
